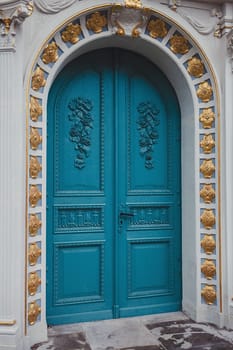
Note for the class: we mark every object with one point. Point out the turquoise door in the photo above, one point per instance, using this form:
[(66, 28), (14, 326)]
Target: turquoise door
[(113, 190)]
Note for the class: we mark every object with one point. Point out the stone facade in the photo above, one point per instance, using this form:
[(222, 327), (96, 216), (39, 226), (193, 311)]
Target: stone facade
[(192, 43)]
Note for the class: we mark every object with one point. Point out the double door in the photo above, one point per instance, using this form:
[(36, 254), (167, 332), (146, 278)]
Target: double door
[(113, 190)]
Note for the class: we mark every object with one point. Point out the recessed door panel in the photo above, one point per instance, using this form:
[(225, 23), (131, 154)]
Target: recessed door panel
[(113, 217)]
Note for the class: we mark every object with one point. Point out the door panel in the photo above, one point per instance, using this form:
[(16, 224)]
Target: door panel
[(113, 232)]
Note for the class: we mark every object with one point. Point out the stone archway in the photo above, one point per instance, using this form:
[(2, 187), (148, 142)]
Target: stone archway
[(176, 53)]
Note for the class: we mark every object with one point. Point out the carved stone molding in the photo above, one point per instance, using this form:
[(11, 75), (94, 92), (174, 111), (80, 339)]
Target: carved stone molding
[(52, 6), (12, 14), (230, 47)]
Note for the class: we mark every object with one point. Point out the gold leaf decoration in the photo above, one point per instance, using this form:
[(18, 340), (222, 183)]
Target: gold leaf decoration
[(207, 168), (35, 167), (209, 294), (35, 109), (208, 219), (34, 311), (71, 33), (133, 4), (34, 253), (207, 193), (179, 44), (34, 282), (208, 269), (208, 244), (38, 79), (96, 22), (50, 53), (207, 143), (204, 92), (34, 195), (35, 138), (157, 28), (207, 118), (34, 225), (195, 67)]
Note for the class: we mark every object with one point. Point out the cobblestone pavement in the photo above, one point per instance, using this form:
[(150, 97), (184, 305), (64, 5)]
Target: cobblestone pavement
[(157, 332)]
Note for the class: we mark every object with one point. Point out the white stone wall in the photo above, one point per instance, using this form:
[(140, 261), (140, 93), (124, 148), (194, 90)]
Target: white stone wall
[(207, 28)]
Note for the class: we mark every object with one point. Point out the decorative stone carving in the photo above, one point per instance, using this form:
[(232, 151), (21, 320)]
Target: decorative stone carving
[(96, 22), (34, 311), (50, 54), (195, 67), (207, 168), (34, 225), (204, 92), (35, 109), (34, 282), (208, 219), (207, 143), (11, 15), (157, 28), (209, 294), (207, 193), (208, 244), (71, 33), (38, 79), (208, 269), (34, 195), (34, 253), (230, 47), (35, 138), (52, 6), (207, 118), (179, 44), (35, 167), (129, 20), (133, 4), (147, 127)]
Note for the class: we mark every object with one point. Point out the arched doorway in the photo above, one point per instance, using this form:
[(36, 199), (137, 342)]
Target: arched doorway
[(113, 190)]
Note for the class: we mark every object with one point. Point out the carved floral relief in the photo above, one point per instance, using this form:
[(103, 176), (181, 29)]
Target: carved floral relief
[(207, 168), (50, 54), (71, 33), (207, 193), (96, 22), (34, 195), (208, 269), (195, 67), (207, 118), (34, 225), (209, 294), (208, 219), (157, 28), (35, 167), (207, 143), (179, 44), (204, 92), (34, 253), (208, 244), (38, 79), (35, 109), (148, 132), (35, 138), (34, 282), (34, 311)]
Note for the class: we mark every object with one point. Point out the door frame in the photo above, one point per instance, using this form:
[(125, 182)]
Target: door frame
[(194, 219)]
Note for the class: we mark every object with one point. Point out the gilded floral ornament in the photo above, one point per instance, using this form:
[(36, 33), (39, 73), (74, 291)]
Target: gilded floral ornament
[(208, 269), (96, 22), (133, 4), (34, 311), (208, 219), (207, 143), (35, 109), (35, 138), (207, 118), (34, 282), (35, 167), (204, 92), (195, 67), (207, 193), (208, 244), (71, 33), (34, 225), (207, 168), (50, 54), (209, 294), (179, 44), (34, 195), (38, 79), (157, 28), (33, 254)]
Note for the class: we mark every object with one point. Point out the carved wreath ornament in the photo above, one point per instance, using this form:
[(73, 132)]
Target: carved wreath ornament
[(147, 127), (81, 129)]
